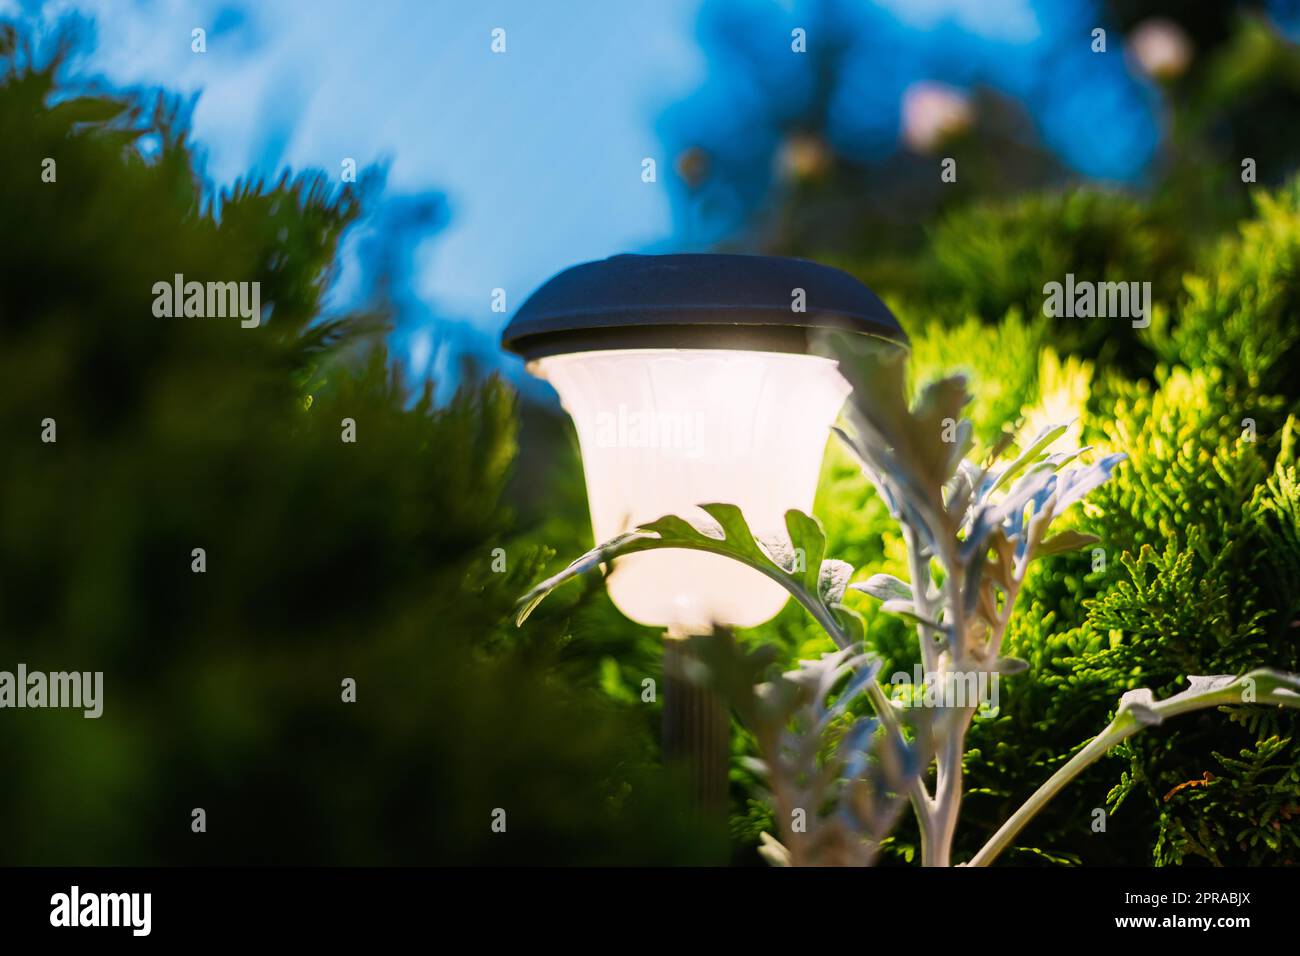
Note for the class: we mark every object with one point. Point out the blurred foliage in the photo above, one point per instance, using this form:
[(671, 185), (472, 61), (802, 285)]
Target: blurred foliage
[(326, 560)]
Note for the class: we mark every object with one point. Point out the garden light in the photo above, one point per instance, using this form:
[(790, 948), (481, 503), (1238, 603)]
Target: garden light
[(689, 380)]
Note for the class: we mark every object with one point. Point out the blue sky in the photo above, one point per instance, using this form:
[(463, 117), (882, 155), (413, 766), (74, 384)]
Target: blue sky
[(537, 152), (505, 168)]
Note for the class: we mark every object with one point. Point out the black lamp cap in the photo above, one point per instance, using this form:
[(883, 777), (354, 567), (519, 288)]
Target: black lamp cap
[(702, 300)]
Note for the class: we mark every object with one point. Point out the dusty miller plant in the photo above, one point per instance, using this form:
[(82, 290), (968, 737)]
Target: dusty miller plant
[(837, 782)]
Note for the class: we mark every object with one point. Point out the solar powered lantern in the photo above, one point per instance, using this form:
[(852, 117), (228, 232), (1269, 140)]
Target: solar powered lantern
[(691, 379)]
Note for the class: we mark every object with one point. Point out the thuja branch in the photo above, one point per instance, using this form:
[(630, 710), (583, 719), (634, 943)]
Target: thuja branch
[(1138, 710)]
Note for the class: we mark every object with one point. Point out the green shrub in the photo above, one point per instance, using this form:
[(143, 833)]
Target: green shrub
[(325, 560)]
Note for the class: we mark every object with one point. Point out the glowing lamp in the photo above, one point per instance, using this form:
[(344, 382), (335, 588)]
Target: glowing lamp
[(689, 380)]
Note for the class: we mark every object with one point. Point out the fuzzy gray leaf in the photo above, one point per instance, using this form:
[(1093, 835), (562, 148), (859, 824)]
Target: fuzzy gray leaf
[(833, 580), (884, 587)]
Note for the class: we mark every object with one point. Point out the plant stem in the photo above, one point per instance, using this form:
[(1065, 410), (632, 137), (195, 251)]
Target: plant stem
[(948, 790), (1260, 686), (919, 797), (1007, 832), (920, 571)]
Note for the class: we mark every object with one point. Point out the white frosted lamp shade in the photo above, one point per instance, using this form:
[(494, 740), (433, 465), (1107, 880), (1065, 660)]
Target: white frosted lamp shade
[(665, 430), (697, 378)]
